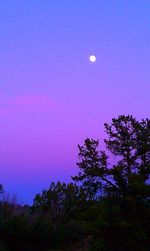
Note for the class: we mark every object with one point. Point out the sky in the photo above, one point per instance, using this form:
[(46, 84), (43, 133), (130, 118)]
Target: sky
[(52, 97)]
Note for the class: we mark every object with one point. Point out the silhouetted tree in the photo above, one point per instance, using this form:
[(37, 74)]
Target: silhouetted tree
[(93, 174), (60, 199), (1, 189), (129, 141)]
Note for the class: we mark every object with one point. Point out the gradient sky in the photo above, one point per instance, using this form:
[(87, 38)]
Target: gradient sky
[(51, 96)]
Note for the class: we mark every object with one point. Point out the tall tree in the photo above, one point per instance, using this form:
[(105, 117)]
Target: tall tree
[(128, 140), (94, 174)]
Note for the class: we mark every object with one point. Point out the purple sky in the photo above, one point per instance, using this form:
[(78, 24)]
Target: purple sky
[(51, 96)]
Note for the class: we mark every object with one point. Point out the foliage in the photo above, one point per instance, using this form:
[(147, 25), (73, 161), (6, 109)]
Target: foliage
[(106, 208), (60, 200), (130, 174)]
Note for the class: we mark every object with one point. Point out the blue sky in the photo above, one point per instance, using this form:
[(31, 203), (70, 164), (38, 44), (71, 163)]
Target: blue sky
[(51, 96)]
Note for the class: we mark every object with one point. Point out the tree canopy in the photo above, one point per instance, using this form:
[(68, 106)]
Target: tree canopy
[(129, 141)]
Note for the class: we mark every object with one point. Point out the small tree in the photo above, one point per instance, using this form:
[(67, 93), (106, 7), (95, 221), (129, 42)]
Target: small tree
[(1, 189), (60, 199)]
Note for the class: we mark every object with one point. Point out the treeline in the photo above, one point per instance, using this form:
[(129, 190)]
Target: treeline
[(106, 207)]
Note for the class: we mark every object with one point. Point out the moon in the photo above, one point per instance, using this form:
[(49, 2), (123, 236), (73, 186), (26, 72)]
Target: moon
[(92, 58)]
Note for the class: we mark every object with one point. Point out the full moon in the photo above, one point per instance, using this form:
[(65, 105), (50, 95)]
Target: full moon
[(92, 58)]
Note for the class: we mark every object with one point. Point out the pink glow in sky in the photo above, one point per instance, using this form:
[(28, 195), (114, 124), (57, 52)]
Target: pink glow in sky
[(51, 96), (27, 103)]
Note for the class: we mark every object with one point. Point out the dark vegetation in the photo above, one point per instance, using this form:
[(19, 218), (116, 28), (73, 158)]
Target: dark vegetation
[(105, 208)]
